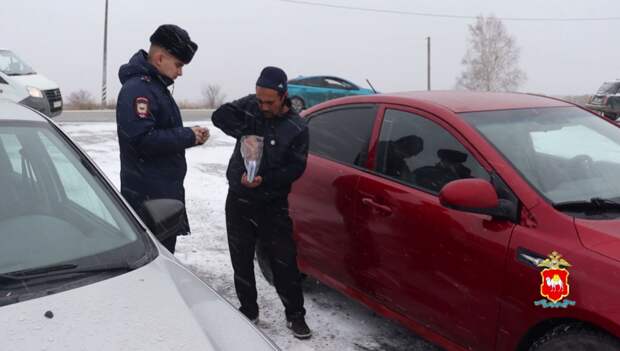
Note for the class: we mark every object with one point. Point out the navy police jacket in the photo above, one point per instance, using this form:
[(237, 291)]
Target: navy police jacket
[(285, 148), (151, 135)]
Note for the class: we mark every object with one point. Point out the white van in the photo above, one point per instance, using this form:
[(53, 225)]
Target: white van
[(20, 83)]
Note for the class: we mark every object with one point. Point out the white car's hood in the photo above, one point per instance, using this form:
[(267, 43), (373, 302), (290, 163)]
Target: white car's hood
[(160, 306), (35, 80)]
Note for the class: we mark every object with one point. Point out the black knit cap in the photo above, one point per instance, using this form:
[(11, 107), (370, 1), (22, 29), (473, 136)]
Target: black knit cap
[(273, 78), (176, 40)]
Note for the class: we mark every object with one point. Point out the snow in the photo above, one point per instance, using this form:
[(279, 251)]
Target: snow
[(338, 323)]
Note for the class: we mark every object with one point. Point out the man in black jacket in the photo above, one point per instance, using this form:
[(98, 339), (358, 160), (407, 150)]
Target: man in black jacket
[(258, 209), (151, 136)]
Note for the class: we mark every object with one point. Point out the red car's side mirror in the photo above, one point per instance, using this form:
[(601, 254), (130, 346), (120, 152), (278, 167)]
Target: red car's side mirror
[(471, 195)]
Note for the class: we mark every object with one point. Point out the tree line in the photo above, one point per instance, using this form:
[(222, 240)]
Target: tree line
[(212, 97)]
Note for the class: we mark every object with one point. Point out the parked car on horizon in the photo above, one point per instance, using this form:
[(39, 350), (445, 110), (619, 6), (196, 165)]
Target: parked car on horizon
[(80, 271), (306, 92), (607, 100), (462, 214)]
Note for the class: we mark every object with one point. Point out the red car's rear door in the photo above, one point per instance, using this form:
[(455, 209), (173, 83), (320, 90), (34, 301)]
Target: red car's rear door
[(322, 199), (440, 267)]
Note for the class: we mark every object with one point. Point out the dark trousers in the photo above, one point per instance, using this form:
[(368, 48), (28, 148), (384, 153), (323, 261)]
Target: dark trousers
[(248, 221)]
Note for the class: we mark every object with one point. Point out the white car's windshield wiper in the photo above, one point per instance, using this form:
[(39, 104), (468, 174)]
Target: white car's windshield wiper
[(63, 269), (16, 74), (595, 204)]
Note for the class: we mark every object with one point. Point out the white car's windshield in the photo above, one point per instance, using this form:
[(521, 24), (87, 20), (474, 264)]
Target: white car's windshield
[(54, 209), (566, 153), (11, 65), (609, 89)]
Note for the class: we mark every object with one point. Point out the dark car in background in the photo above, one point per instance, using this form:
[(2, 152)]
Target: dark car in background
[(306, 92), (475, 219), (607, 100)]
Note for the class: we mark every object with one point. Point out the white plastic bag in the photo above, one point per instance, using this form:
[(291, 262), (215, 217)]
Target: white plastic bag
[(252, 153)]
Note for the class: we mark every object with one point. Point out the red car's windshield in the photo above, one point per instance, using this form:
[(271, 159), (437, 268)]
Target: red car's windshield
[(567, 154)]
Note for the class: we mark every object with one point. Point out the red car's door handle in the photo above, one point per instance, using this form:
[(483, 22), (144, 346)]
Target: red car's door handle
[(529, 258), (370, 202)]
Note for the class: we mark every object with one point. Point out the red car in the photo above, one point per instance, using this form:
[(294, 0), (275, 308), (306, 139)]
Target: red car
[(481, 221)]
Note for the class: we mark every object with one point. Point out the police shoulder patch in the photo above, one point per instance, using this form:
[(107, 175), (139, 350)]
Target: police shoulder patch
[(141, 106)]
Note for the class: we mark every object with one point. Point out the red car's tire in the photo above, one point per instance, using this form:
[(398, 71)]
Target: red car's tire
[(575, 337)]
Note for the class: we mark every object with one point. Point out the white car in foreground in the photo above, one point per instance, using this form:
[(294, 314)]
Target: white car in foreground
[(78, 269)]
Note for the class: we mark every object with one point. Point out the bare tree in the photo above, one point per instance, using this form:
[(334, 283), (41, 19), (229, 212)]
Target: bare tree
[(81, 100), (213, 96), (492, 59)]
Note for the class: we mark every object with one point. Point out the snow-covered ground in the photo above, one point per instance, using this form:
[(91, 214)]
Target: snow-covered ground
[(338, 323)]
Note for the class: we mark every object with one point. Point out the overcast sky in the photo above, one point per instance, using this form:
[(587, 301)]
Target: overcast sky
[(64, 41)]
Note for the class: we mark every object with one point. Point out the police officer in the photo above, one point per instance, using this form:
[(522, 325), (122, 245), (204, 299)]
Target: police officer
[(151, 135), (258, 209)]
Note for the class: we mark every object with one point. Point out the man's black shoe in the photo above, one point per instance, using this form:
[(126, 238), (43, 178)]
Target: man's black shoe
[(299, 328), (253, 319)]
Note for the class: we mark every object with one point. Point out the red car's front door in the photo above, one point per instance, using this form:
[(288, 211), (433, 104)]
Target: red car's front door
[(437, 266)]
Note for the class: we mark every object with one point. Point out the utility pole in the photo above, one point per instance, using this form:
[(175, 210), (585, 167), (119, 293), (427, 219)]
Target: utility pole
[(104, 87), (428, 65)]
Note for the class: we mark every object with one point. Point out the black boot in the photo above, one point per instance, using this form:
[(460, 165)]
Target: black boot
[(299, 328), (252, 318)]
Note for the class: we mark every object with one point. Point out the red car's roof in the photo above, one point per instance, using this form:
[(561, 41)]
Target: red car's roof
[(459, 101)]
